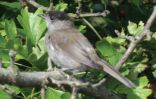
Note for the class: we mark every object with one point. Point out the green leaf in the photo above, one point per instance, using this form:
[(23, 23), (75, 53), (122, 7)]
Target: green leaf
[(16, 89), (10, 29), (4, 54), (61, 6), (32, 58), (115, 40), (22, 52), (33, 27), (82, 28), (40, 49), (37, 24), (2, 24), (17, 44), (108, 51), (12, 5), (56, 94), (136, 2), (2, 42), (135, 29), (140, 67), (143, 81), (4, 95), (140, 92), (10, 44), (154, 35), (154, 73)]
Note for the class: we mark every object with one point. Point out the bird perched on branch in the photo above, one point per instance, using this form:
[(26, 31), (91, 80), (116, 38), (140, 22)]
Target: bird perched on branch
[(70, 49)]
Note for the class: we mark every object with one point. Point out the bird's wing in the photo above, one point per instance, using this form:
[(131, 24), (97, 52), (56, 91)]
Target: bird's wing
[(76, 46)]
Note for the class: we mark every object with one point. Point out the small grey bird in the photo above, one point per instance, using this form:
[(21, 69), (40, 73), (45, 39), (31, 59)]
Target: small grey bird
[(70, 49)]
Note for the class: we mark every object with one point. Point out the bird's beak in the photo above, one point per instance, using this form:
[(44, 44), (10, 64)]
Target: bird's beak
[(42, 15)]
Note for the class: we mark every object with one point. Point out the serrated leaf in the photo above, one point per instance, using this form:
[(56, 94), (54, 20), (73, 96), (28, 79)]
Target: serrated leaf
[(33, 27), (143, 81), (139, 92), (61, 6), (135, 29), (10, 29), (37, 25)]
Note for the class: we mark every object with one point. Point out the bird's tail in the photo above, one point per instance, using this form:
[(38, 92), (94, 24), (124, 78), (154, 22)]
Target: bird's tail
[(114, 73)]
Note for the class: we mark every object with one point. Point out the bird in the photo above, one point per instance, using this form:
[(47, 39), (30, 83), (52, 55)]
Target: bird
[(71, 50)]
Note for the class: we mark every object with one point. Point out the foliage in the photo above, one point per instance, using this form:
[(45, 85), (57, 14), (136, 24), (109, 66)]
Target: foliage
[(23, 31)]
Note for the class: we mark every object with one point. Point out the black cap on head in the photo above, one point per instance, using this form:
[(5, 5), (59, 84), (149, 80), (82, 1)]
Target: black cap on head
[(58, 15)]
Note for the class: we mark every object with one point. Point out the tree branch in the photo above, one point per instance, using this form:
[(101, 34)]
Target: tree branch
[(146, 32), (37, 5), (35, 79)]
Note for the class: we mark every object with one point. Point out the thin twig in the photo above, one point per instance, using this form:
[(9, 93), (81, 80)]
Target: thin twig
[(74, 92), (0, 63), (78, 9), (146, 32), (37, 5), (87, 22), (12, 55), (51, 6), (129, 38), (42, 93), (35, 79), (104, 14), (99, 83)]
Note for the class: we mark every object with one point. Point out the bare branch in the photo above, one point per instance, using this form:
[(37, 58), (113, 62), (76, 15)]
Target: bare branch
[(35, 79), (129, 38), (42, 93), (78, 8), (104, 14), (51, 7), (146, 32), (35, 4), (101, 82), (95, 31), (74, 92), (12, 55), (0, 63)]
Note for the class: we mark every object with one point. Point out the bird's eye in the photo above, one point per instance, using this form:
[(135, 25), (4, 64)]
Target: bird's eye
[(52, 18)]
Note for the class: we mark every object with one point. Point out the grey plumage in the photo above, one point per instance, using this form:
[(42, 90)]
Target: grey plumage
[(70, 49)]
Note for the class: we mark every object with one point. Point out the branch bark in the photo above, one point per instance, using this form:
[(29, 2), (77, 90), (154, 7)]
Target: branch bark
[(35, 79), (146, 32)]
